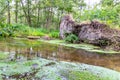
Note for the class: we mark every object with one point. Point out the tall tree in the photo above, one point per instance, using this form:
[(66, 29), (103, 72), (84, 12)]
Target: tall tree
[(3, 9), (16, 11), (9, 16), (29, 12)]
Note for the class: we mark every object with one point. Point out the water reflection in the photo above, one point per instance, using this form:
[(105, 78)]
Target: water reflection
[(27, 50)]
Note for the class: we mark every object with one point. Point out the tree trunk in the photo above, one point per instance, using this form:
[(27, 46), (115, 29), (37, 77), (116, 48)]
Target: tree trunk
[(38, 19), (29, 14), (16, 11), (24, 10), (48, 17), (9, 16)]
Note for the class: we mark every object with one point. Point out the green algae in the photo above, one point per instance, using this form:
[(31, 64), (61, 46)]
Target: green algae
[(3, 55), (57, 71), (86, 47), (77, 75)]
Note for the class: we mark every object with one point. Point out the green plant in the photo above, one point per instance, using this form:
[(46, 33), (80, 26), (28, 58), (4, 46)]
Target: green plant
[(6, 30), (71, 38), (54, 34)]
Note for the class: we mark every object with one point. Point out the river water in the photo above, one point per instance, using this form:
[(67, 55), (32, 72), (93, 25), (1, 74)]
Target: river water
[(30, 49)]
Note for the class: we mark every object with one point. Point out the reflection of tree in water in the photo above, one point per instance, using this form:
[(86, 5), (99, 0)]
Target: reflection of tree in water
[(62, 54)]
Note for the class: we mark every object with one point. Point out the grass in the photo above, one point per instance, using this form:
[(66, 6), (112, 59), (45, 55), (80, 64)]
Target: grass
[(43, 32), (39, 32), (21, 30)]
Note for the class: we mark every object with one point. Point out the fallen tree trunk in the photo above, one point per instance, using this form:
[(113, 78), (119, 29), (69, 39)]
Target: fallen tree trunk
[(66, 26), (93, 32)]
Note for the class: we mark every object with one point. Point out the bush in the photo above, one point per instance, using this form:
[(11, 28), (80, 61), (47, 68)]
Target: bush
[(54, 34), (21, 30), (71, 38), (6, 30)]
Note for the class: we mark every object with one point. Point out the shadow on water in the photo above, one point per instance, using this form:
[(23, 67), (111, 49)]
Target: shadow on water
[(30, 49)]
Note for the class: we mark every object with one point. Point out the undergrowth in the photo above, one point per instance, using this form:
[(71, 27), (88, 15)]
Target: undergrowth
[(21, 30)]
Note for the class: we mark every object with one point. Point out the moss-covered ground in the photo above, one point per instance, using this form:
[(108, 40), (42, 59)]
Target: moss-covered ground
[(42, 69)]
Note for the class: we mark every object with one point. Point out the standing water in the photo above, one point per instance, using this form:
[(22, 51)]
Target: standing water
[(24, 49)]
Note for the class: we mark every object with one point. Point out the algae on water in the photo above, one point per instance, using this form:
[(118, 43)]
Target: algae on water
[(87, 47)]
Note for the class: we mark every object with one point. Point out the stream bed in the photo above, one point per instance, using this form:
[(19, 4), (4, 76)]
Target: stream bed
[(23, 59)]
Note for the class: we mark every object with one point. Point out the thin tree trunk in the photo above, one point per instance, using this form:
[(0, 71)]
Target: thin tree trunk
[(24, 10), (16, 11), (9, 16), (29, 14), (38, 19), (48, 17)]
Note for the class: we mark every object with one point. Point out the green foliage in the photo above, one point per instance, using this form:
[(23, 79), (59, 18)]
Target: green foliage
[(71, 38), (36, 32), (107, 15), (107, 2), (3, 55), (6, 30), (107, 11), (54, 34), (20, 29), (24, 31), (76, 75)]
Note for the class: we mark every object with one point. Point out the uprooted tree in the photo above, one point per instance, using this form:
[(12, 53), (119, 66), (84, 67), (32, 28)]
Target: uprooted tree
[(93, 32)]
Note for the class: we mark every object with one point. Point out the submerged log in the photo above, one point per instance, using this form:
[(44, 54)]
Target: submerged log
[(33, 37), (93, 32)]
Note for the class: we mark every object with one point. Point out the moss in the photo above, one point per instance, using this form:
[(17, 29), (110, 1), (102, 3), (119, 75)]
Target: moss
[(59, 71), (3, 55), (87, 47), (29, 63), (76, 75)]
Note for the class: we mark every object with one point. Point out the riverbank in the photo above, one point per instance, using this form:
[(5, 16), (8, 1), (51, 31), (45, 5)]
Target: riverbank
[(84, 46), (23, 31)]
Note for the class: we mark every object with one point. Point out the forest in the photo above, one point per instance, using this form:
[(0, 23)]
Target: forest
[(45, 15), (59, 39)]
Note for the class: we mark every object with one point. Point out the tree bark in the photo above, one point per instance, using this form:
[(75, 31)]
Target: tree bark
[(38, 19), (16, 11), (29, 14), (24, 10), (9, 16)]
